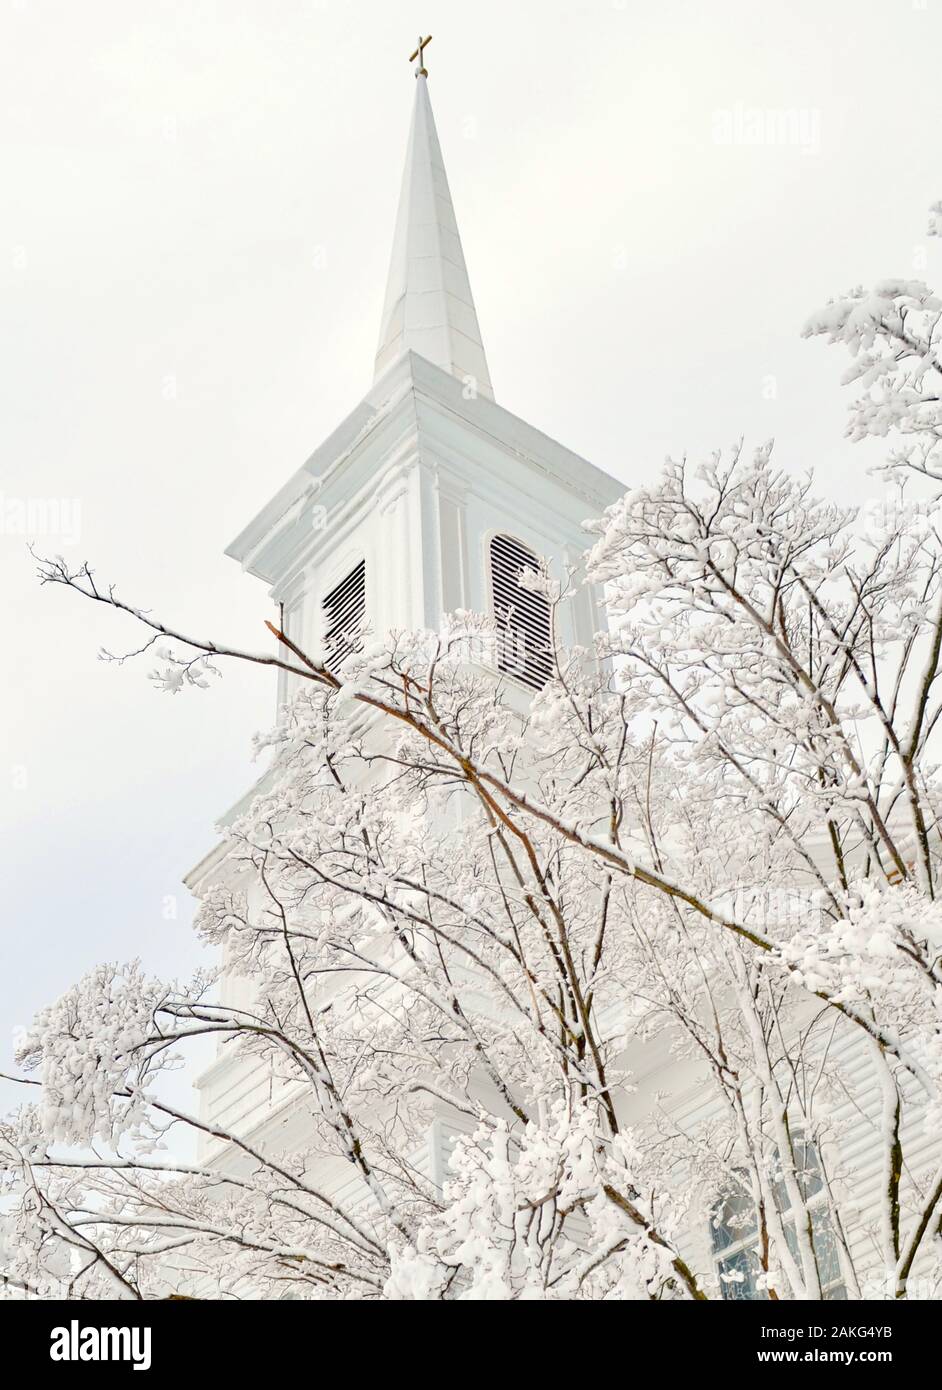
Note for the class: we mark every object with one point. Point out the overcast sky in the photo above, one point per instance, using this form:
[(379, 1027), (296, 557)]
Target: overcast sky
[(199, 202)]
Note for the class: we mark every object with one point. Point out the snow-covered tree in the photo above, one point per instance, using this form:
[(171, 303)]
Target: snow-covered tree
[(715, 832)]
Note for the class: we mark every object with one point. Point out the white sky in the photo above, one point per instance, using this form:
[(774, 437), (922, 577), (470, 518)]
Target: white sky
[(199, 202)]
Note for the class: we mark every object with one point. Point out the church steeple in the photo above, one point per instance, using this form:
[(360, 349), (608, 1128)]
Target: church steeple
[(429, 308), (426, 498)]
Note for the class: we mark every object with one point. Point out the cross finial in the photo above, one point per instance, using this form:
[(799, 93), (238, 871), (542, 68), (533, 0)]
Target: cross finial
[(423, 44)]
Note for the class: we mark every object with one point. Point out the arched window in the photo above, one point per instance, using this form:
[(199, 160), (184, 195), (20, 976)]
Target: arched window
[(524, 622), (735, 1235), (344, 613)]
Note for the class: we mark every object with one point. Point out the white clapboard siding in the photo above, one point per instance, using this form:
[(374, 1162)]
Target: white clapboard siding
[(239, 1094)]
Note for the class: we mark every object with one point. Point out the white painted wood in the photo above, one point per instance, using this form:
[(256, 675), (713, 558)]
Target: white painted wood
[(429, 307)]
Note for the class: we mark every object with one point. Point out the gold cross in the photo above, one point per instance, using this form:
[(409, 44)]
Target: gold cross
[(423, 43)]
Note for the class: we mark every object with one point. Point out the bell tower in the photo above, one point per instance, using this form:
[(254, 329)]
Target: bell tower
[(429, 497)]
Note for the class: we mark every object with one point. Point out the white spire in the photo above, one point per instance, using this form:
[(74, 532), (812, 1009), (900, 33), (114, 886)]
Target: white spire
[(429, 308)]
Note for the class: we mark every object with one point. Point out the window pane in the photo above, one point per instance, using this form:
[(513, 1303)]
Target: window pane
[(738, 1275), (808, 1171), (809, 1168), (825, 1248), (734, 1219)]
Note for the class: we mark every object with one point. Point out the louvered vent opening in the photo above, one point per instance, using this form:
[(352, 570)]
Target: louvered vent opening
[(524, 628), (344, 612)]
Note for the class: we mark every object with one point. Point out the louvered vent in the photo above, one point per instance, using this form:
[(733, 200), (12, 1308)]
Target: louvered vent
[(524, 627), (344, 612)]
